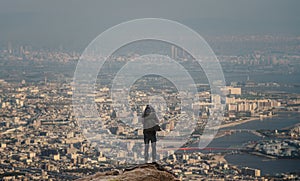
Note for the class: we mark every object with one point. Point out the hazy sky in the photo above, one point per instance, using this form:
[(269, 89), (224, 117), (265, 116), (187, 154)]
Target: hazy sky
[(74, 23)]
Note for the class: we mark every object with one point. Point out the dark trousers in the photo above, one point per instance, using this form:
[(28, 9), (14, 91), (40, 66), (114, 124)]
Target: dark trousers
[(150, 136)]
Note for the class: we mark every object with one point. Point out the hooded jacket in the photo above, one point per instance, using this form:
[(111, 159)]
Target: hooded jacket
[(150, 121)]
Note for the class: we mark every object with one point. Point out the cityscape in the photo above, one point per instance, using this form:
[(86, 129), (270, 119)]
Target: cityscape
[(258, 138), (40, 138)]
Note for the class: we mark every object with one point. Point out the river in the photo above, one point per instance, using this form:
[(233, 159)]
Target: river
[(267, 166)]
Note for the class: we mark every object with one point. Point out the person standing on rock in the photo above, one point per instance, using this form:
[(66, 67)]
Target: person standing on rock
[(150, 127)]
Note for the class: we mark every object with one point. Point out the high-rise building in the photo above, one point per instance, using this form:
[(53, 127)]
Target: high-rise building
[(9, 48), (173, 52)]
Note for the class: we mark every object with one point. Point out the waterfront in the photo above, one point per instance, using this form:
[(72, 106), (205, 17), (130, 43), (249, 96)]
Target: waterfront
[(267, 166), (281, 121)]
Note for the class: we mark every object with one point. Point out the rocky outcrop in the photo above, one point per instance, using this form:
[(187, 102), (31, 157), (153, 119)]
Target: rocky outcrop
[(143, 172)]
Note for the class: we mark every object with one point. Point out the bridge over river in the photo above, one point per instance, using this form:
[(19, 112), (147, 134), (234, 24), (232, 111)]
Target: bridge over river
[(222, 133)]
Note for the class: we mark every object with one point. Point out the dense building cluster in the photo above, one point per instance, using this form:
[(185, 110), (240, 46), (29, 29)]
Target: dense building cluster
[(40, 139)]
